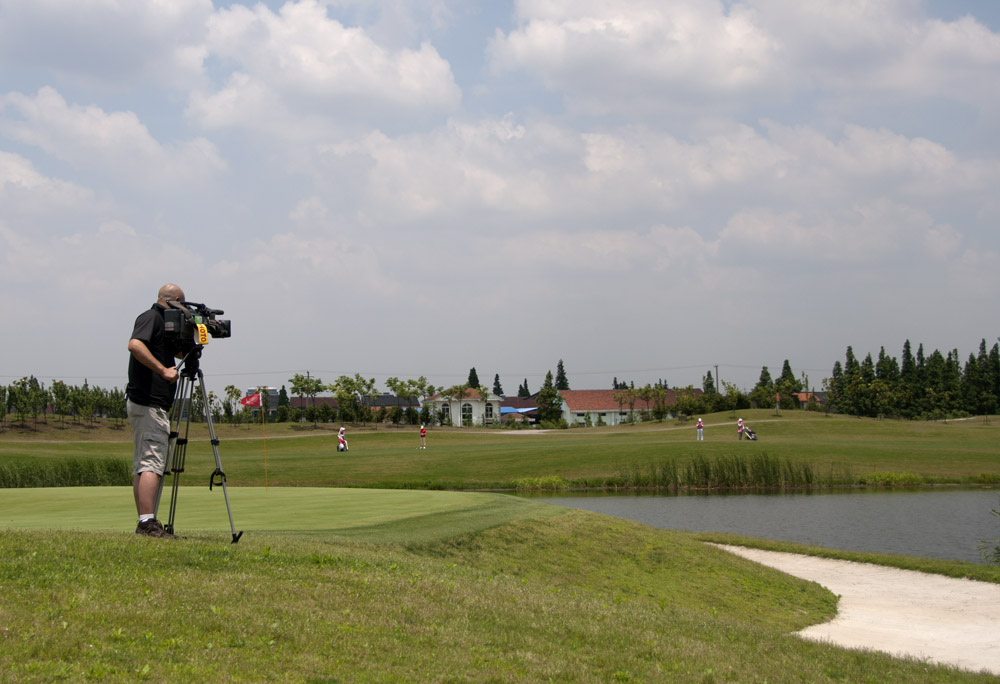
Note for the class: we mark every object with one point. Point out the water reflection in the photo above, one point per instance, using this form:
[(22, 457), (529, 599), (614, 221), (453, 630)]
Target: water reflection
[(939, 523)]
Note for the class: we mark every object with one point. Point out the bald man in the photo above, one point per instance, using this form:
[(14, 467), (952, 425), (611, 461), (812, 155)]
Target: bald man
[(152, 379)]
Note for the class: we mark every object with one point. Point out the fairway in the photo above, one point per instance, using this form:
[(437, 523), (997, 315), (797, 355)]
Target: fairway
[(379, 515)]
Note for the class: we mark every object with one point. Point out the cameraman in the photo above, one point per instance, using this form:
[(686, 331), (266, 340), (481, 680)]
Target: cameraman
[(152, 379)]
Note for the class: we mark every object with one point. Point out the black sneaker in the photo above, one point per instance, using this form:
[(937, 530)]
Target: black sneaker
[(153, 528)]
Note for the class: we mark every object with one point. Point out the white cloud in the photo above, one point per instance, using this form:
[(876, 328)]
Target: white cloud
[(515, 176), (113, 44), (491, 164), (876, 232), (299, 65), (21, 183), (115, 143), (884, 49), (611, 56), (87, 266), (311, 210), (675, 55)]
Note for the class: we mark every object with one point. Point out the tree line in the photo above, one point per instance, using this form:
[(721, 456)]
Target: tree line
[(28, 398), (914, 386)]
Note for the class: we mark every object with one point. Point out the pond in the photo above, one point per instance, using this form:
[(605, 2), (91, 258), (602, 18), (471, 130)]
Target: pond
[(936, 523)]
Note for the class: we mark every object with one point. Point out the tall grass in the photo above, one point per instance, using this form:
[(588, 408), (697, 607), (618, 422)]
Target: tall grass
[(70, 472), (726, 471), (755, 471)]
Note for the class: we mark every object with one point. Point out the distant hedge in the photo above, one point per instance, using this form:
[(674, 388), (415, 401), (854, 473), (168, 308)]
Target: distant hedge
[(72, 472)]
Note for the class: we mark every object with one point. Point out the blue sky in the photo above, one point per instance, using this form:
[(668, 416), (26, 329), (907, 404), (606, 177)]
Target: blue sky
[(643, 189)]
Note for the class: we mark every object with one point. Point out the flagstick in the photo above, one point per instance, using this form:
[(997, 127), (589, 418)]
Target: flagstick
[(264, 432)]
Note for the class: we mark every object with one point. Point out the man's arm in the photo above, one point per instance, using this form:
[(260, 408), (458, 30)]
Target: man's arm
[(141, 352)]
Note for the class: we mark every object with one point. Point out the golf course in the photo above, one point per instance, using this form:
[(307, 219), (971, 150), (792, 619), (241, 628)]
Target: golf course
[(393, 564)]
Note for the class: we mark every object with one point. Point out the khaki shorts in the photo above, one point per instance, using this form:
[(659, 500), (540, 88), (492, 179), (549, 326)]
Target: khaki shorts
[(151, 432)]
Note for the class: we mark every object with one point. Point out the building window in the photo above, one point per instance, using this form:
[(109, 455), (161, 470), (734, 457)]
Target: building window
[(489, 411), (467, 414)]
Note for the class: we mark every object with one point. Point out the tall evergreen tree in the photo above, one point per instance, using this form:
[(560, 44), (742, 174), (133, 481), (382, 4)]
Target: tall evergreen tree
[(562, 382), (787, 377), (523, 391), (762, 395), (787, 386), (834, 386), (975, 393), (993, 372), (868, 369), (851, 365), (906, 390), (497, 388), (549, 401), (887, 368), (932, 382), (953, 382), (708, 384), (473, 377), (907, 364)]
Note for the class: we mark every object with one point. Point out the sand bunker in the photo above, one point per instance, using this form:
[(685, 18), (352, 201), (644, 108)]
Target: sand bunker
[(905, 613)]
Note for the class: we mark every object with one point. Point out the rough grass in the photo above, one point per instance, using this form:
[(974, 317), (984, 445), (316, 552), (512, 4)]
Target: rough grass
[(574, 597)]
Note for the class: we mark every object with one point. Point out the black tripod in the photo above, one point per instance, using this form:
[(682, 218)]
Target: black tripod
[(177, 448)]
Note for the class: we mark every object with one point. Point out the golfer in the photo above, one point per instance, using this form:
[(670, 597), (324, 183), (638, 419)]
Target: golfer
[(423, 436), (701, 430), (341, 440), (739, 429)]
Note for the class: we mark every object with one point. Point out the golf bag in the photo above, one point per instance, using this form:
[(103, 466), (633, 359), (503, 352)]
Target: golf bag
[(748, 433)]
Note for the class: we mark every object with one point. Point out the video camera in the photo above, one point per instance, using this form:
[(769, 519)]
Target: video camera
[(189, 324)]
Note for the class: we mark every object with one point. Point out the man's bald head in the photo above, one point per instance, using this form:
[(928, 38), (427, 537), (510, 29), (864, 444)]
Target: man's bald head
[(169, 293)]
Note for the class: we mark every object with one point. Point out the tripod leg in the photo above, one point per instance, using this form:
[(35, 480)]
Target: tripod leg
[(218, 474), (176, 448), (178, 451)]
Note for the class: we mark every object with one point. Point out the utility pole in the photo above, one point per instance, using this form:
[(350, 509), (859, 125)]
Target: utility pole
[(716, 378)]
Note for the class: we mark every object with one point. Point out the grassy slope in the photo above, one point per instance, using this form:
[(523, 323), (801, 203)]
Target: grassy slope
[(573, 597)]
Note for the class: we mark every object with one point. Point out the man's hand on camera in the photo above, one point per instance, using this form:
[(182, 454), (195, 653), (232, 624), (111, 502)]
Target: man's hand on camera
[(169, 373)]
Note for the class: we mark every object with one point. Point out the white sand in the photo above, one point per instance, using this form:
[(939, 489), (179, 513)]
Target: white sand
[(905, 613)]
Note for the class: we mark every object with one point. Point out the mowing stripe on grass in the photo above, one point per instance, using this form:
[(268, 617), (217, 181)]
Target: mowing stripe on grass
[(379, 515)]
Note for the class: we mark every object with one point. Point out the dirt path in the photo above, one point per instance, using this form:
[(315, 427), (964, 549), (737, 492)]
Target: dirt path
[(941, 619)]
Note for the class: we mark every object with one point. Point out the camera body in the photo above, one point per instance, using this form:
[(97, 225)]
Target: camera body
[(189, 324)]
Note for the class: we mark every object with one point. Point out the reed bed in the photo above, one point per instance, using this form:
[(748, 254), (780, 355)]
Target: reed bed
[(726, 471), (69, 472)]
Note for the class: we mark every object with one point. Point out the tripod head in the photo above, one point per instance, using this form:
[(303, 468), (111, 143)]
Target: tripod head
[(190, 364)]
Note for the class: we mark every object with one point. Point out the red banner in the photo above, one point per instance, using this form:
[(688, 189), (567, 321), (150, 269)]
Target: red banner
[(251, 400)]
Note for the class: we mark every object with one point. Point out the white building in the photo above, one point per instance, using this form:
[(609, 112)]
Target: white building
[(467, 408)]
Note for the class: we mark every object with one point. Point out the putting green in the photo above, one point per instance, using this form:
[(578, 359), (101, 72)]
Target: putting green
[(379, 515)]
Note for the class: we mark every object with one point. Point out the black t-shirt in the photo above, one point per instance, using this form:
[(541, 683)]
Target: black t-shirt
[(144, 386)]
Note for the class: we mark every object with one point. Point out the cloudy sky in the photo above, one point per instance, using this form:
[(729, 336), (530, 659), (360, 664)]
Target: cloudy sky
[(645, 189)]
